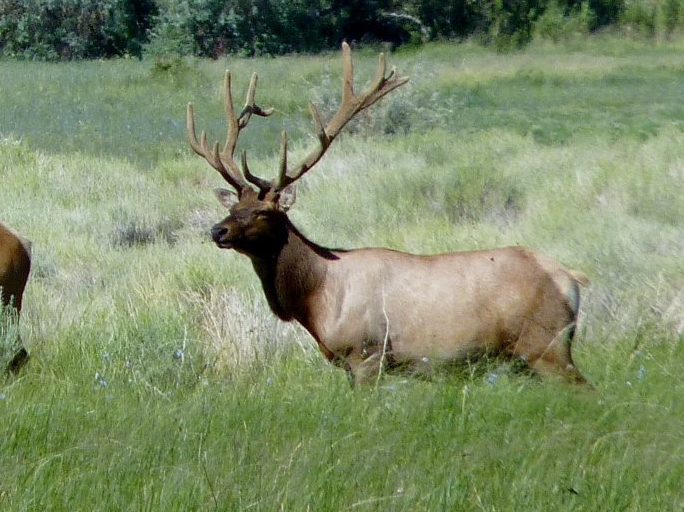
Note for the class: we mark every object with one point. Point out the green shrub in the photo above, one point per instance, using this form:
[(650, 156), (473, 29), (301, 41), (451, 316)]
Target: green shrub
[(640, 17), (651, 19), (557, 23), (212, 28), (73, 29)]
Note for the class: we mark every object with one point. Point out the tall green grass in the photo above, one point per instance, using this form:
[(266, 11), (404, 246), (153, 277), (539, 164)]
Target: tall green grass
[(159, 380)]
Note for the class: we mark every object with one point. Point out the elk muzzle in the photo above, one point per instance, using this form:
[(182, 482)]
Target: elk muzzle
[(221, 236)]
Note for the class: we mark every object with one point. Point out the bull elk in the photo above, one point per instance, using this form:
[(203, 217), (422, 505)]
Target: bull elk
[(15, 265), (372, 310)]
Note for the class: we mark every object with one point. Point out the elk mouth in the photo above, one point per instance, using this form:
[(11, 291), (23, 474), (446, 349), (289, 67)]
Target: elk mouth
[(218, 234), (224, 245)]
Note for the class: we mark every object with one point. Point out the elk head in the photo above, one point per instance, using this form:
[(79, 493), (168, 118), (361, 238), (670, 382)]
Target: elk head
[(257, 223)]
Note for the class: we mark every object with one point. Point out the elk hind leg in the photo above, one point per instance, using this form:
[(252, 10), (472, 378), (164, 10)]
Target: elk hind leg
[(551, 358), (363, 370), (551, 368)]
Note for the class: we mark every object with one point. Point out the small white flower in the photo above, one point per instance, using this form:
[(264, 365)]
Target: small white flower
[(641, 372), (492, 378)]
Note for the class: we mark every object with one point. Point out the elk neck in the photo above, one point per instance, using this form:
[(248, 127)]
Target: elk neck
[(291, 273)]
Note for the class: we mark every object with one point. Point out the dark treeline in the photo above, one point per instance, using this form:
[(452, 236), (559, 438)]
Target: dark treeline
[(86, 29)]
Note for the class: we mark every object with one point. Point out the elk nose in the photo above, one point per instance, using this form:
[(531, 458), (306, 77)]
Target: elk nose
[(218, 232)]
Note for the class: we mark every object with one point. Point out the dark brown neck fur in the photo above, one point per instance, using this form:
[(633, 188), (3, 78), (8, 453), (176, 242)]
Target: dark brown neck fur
[(291, 273)]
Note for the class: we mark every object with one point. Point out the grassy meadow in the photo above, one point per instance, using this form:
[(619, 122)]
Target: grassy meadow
[(159, 379)]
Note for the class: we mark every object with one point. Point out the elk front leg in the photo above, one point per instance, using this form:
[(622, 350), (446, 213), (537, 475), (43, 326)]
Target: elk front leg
[(9, 330), (18, 361), (363, 368)]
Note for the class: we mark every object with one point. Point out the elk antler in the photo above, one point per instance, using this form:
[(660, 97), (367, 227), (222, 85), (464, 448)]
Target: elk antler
[(224, 161), (350, 105)]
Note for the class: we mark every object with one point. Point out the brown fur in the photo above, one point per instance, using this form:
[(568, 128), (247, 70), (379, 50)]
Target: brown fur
[(15, 265), (374, 309)]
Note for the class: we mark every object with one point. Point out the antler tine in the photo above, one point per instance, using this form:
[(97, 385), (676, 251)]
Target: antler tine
[(250, 106), (233, 125), (203, 150), (224, 161), (350, 105), (261, 184), (237, 123), (282, 174)]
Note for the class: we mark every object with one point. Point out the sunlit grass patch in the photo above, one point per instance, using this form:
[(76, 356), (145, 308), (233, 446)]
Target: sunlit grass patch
[(240, 332)]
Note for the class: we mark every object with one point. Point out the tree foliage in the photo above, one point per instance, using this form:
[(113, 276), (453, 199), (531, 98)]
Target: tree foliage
[(76, 29)]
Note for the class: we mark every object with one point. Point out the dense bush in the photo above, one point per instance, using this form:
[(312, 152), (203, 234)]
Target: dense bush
[(211, 28), (75, 29)]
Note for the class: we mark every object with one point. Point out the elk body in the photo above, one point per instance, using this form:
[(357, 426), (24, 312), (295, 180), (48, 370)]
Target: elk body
[(15, 265), (373, 310)]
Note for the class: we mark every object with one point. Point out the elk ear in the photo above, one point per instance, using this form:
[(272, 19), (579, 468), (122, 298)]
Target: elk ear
[(227, 198), (287, 197)]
